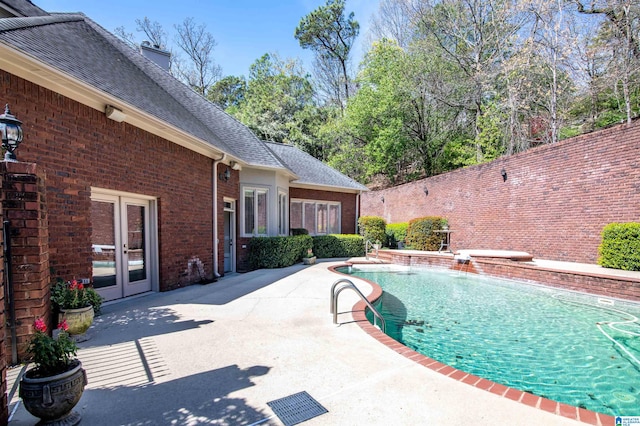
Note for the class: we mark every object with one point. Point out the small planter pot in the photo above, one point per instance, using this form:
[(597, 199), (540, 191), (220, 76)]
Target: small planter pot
[(52, 398), (78, 320), (309, 260)]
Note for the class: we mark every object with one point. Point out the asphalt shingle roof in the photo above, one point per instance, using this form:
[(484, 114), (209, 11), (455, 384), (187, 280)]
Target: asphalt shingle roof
[(24, 7), (79, 47), (82, 49), (310, 170)]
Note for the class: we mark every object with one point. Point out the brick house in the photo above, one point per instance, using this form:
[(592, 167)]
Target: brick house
[(144, 185)]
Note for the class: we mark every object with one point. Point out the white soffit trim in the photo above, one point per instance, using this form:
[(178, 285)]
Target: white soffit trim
[(28, 68)]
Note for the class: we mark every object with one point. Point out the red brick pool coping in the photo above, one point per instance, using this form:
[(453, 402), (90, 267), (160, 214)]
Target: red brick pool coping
[(558, 408)]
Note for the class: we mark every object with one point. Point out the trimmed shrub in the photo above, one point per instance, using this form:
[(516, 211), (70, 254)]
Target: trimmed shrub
[(420, 235), (299, 231), (338, 245), (396, 232), (277, 252), (372, 228), (620, 248)]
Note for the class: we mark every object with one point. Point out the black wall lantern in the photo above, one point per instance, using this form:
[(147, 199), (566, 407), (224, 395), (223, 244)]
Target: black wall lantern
[(11, 133), (503, 172), (426, 191), (382, 199), (226, 175)]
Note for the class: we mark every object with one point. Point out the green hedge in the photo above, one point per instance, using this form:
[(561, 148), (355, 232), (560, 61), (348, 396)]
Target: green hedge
[(420, 235), (277, 252), (372, 228), (620, 246), (396, 232), (342, 245)]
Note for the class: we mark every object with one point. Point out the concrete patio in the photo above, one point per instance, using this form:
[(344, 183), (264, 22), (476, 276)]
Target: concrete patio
[(217, 353)]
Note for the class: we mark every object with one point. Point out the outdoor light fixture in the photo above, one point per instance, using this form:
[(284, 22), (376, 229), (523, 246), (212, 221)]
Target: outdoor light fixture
[(426, 191), (503, 172), (226, 175), (11, 133), (382, 199), (114, 113)]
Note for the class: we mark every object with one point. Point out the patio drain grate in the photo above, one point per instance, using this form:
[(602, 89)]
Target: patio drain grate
[(296, 408)]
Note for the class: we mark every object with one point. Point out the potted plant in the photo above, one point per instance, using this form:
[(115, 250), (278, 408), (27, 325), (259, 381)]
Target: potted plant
[(76, 303), (51, 389), (309, 258)]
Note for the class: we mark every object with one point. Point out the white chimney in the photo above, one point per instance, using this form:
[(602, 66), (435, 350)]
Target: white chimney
[(156, 54)]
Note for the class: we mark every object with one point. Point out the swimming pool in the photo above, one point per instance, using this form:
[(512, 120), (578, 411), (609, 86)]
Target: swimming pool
[(570, 347)]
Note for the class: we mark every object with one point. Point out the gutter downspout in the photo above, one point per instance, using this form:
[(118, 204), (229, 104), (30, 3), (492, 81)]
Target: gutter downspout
[(357, 210), (216, 241)]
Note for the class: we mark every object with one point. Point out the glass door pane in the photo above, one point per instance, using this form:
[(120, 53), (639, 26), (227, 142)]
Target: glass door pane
[(227, 242), (135, 246), (103, 243), (136, 265)]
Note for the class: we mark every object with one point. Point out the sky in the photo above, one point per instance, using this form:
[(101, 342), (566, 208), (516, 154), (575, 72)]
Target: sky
[(243, 29)]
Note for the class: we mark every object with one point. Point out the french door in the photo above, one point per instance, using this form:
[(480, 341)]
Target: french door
[(121, 245)]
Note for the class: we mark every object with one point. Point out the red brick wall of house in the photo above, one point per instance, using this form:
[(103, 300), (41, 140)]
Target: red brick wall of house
[(348, 204), (554, 203), (77, 147)]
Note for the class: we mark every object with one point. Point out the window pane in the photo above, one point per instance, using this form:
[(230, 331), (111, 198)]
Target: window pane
[(295, 219), (249, 212), (282, 214), (322, 218), (310, 217), (334, 219), (262, 212)]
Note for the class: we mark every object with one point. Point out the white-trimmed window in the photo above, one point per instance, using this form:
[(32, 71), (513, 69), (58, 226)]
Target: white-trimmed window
[(254, 222), (283, 204), (317, 217)]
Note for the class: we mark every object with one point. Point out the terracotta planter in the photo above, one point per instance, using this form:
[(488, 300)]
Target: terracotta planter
[(52, 398), (78, 320)]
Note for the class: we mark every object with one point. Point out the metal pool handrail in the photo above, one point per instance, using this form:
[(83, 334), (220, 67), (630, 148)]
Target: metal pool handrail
[(348, 284), (368, 244)]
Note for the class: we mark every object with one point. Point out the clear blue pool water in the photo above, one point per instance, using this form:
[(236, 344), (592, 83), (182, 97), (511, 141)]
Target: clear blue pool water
[(569, 347)]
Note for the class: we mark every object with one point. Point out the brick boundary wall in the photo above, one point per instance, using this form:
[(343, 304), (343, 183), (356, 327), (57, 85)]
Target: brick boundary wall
[(554, 203)]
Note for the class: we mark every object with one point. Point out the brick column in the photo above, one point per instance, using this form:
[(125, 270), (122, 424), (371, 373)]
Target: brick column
[(23, 205), (4, 404)]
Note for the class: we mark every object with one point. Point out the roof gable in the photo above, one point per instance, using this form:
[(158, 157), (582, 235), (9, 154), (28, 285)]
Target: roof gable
[(311, 171), (80, 48)]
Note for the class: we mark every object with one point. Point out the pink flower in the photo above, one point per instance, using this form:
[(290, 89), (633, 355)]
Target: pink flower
[(40, 325), (73, 285), (63, 325), (80, 286)]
